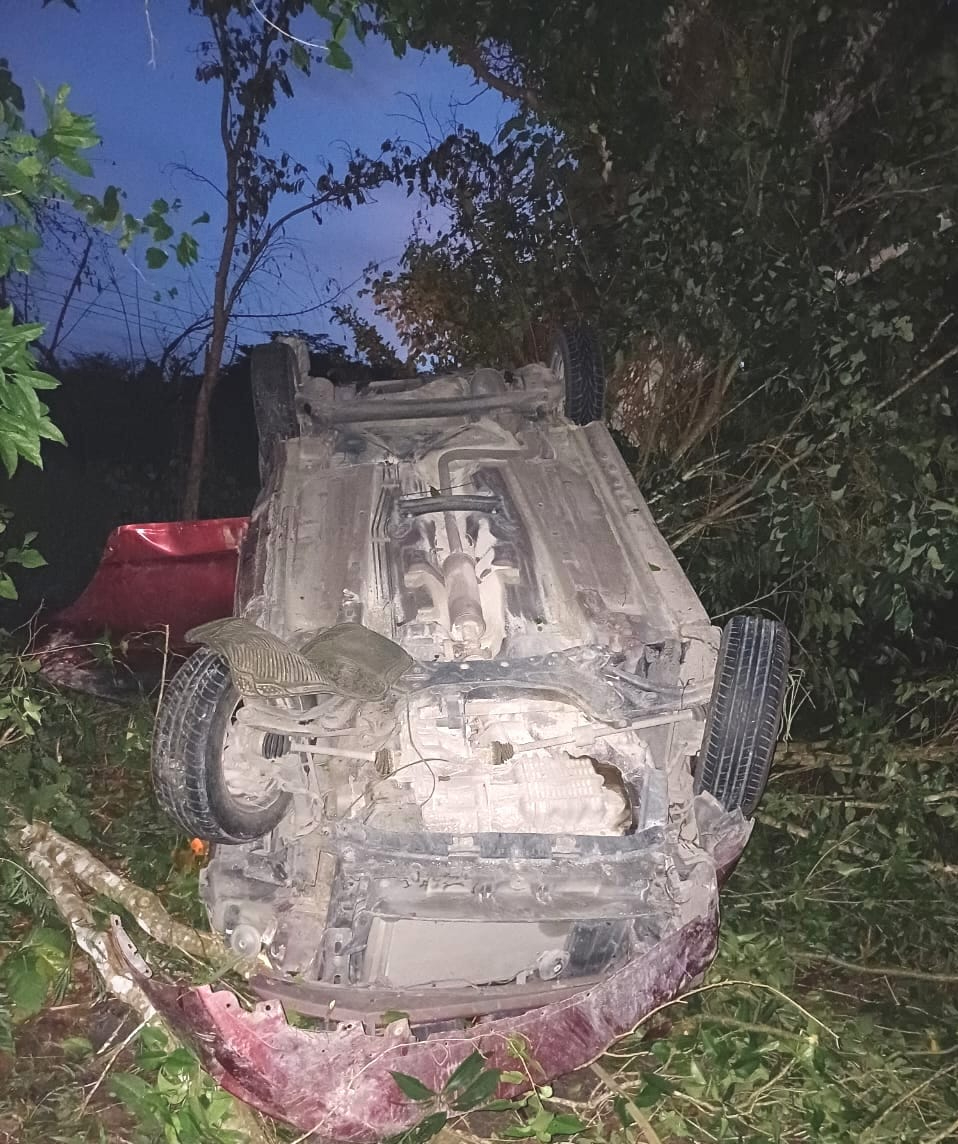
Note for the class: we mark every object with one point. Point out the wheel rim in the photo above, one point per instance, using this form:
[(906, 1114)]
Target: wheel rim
[(557, 365), (248, 780)]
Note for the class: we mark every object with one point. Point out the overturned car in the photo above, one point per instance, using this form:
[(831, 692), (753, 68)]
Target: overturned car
[(471, 756)]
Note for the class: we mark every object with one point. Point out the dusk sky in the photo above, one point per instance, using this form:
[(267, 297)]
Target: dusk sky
[(155, 117)]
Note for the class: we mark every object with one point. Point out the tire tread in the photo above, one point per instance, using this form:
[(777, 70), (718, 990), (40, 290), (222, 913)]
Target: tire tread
[(745, 713), (187, 746), (585, 375)]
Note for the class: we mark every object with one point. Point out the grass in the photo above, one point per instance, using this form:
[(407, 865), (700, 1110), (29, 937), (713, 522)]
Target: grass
[(830, 1015)]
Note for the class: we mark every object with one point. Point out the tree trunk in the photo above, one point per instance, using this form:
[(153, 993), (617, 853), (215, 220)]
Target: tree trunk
[(223, 298), (222, 310), (201, 424)]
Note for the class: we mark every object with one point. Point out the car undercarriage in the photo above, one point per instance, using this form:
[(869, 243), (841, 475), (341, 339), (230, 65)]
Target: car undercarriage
[(472, 758)]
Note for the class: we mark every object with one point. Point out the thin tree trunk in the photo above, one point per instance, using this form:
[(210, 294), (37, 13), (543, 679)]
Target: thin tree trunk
[(201, 419), (222, 296)]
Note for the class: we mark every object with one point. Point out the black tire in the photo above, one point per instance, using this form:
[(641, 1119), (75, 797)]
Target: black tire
[(187, 757), (745, 713), (273, 382), (577, 360)]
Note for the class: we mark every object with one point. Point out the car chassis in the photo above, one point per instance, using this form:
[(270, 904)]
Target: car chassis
[(472, 757)]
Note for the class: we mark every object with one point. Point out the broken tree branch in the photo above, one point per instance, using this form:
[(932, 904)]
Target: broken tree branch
[(59, 865), (880, 970), (145, 906), (641, 1120)]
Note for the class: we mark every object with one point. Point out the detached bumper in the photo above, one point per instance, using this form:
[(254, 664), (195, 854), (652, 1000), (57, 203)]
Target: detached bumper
[(154, 582), (338, 1084)]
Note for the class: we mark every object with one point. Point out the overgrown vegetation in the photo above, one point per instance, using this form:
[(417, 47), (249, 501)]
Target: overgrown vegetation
[(830, 1014), (755, 203), (39, 171)]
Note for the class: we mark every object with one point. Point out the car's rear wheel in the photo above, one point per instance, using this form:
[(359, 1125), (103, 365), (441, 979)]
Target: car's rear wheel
[(273, 382), (745, 713), (576, 360), (194, 782)]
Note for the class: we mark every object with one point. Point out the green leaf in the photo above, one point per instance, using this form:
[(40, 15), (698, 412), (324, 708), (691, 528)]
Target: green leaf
[(30, 558), (411, 1087), (565, 1124), (204, 217), (134, 1092), (8, 455), (431, 1126), (187, 250), (155, 258), (337, 56), (77, 163), (161, 230), (25, 981), (153, 1039), (299, 56), (110, 210), (52, 945), (479, 1091), (77, 1047), (465, 1074)]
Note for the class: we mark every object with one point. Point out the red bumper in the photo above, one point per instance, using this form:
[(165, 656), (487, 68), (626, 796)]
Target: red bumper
[(338, 1084), (154, 582)]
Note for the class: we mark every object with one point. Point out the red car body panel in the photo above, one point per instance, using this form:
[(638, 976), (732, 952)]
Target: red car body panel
[(339, 1086), (154, 582)]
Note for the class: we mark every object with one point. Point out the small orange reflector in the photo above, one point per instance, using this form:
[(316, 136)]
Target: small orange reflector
[(198, 846)]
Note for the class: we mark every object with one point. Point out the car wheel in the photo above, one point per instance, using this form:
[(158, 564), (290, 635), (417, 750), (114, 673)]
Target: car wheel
[(745, 713), (191, 778), (273, 382), (577, 361)]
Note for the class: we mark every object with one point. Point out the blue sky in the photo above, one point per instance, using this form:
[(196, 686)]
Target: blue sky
[(155, 118)]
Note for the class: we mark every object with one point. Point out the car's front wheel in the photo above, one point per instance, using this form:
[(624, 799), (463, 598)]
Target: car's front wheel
[(745, 713), (192, 777)]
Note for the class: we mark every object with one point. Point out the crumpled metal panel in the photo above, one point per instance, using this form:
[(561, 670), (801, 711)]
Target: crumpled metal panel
[(338, 1084), (177, 574)]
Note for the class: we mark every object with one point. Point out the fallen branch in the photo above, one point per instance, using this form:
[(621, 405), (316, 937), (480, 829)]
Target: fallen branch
[(62, 866), (641, 1120), (820, 755), (146, 907), (748, 1026), (76, 912), (880, 970), (854, 851)]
